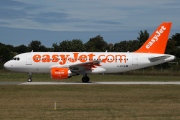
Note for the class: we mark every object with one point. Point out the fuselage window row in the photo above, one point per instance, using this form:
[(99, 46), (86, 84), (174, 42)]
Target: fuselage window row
[(79, 59)]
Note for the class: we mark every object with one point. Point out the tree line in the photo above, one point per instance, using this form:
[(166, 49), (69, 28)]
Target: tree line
[(95, 44)]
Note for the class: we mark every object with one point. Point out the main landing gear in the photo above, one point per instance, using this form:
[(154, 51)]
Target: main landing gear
[(30, 77), (85, 79)]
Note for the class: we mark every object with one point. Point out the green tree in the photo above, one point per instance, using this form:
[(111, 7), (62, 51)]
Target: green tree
[(1, 44), (133, 45), (21, 49), (143, 36), (56, 47), (5, 53), (173, 45), (77, 45), (96, 44), (65, 46), (125, 46), (171, 48), (176, 38), (36, 46), (10, 47), (42, 48), (74, 45), (120, 47)]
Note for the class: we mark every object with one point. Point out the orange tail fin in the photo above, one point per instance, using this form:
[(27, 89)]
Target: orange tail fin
[(158, 40)]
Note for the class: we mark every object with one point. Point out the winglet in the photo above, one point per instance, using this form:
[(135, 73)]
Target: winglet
[(158, 40)]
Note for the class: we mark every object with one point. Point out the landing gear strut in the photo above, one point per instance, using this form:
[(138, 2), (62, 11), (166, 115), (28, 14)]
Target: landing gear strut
[(85, 79), (30, 77)]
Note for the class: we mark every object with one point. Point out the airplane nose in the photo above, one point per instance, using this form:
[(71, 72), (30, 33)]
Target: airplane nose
[(7, 65)]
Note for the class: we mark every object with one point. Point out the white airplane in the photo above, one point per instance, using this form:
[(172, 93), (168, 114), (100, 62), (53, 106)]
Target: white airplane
[(62, 65)]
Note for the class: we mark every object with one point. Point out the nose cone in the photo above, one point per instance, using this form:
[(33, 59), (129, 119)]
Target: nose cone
[(7, 65)]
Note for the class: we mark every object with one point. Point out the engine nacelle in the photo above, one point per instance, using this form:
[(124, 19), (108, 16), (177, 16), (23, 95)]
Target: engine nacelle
[(60, 73)]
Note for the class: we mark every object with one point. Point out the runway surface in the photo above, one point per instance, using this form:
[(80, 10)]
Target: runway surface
[(90, 83)]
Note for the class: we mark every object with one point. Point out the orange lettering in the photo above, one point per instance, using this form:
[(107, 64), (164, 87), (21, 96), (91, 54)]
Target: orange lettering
[(82, 58), (63, 59), (75, 58), (110, 58), (55, 58), (36, 58), (91, 57), (102, 60), (46, 58), (121, 57)]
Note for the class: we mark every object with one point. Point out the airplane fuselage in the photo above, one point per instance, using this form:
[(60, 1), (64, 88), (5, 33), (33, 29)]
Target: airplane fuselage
[(110, 62)]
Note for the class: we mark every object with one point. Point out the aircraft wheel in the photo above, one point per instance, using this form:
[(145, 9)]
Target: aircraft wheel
[(85, 79), (30, 80)]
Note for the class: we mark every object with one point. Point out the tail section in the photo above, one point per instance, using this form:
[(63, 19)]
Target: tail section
[(158, 40)]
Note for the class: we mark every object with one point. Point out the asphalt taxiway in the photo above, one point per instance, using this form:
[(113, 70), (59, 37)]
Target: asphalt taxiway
[(90, 83)]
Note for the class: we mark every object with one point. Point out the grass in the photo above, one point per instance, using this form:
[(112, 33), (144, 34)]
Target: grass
[(22, 77), (79, 102), (102, 102)]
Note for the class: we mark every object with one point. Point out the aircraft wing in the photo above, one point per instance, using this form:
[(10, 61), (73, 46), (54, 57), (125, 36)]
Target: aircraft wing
[(154, 59), (79, 66)]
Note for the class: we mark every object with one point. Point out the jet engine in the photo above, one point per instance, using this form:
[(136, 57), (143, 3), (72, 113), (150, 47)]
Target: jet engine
[(60, 73)]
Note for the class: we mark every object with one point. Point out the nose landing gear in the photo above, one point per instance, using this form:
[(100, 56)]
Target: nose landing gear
[(30, 77)]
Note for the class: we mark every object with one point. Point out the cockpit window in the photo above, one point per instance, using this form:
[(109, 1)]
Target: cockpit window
[(16, 58)]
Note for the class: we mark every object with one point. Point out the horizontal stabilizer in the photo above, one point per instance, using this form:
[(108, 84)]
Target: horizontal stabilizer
[(154, 59)]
